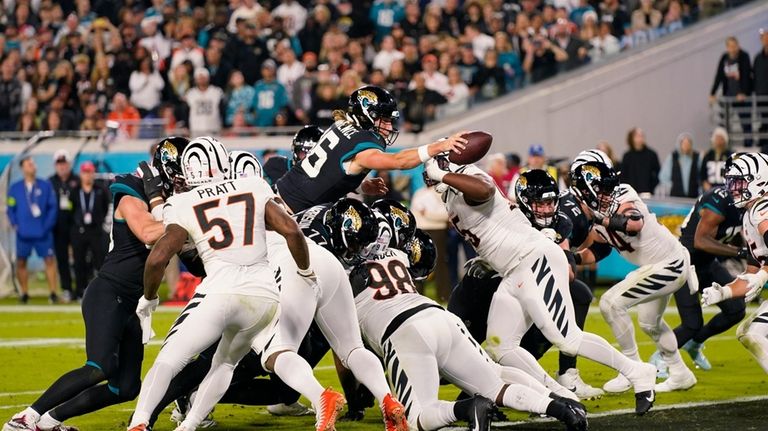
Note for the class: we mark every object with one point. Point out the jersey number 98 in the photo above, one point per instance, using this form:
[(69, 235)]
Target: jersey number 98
[(390, 280)]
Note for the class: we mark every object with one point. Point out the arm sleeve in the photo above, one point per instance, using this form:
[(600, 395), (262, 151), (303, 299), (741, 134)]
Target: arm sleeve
[(600, 250)]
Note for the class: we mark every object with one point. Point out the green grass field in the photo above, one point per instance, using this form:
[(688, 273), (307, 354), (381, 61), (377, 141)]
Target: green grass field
[(37, 346)]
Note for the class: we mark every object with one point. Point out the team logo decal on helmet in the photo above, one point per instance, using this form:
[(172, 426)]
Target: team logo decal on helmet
[(352, 219), (367, 98)]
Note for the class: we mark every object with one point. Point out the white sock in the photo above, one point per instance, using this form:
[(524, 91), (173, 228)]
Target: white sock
[(512, 375), (367, 370), (47, 422), (437, 415), (757, 345), (296, 373), (152, 391), (212, 388), (31, 413), (525, 399), (597, 349)]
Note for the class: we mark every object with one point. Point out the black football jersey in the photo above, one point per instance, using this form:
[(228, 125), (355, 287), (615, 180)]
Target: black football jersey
[(275, 168), (321, 177), (580, 224), (718, 200), (124, 263), (311, 223)]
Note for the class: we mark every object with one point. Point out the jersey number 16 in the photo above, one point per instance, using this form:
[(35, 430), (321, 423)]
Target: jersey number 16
[(316, 158)]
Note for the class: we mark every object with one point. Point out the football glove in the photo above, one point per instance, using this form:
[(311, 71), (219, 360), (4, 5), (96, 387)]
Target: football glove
[(478, 268), (438, 166), (144, 311), (755, 283), (153, 183), (714, 294)]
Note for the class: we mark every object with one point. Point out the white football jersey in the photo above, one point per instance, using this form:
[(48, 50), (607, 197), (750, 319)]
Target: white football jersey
[(653, 244), (390, 291), (500, 234), (752, 219), (225, 221)]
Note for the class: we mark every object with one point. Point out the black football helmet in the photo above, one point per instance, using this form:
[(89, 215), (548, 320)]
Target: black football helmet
[(400, 219), (303, 142), (369, 104), (352, 226), (595, 184), (536, 193), (422, 255), (167, 160)]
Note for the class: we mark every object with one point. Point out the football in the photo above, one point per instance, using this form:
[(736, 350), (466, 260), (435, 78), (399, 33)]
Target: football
[(478, 144)]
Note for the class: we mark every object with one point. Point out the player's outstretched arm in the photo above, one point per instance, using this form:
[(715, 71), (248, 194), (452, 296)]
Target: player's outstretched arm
[(141, 223), (475, 188), (410, 158), (170, 243), (706, 232), (278, 220), (627, 219)]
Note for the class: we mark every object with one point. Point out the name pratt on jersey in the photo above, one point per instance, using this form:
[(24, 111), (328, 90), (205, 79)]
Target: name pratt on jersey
[(219, 189)]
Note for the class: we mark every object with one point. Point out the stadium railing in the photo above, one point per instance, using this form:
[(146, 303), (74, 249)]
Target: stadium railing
[(733, 114)]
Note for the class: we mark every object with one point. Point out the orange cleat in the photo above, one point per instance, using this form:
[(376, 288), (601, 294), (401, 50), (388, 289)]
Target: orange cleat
[(331, 403), (139, 427), (394, 414)]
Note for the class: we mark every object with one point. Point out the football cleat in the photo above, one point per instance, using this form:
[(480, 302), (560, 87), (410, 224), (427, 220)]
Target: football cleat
[(20, 422), (62, 427), (331, 403), (394, 414), (696, 350), (295, 409), (140, 427), (572, 381), (182, 406), (681, 381), (619, 384), (643, 378), (558, 389), (574, 417), (644, 401), (481, 413), (662, 369)]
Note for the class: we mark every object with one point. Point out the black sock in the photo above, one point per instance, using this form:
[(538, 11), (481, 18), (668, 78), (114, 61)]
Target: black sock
[(90, 400), (461, 409), (566, 363), (68, 386)]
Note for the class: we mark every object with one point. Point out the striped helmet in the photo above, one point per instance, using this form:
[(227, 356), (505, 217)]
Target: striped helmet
[(591, 156), (747, 177), (244, 164), (205, 160)]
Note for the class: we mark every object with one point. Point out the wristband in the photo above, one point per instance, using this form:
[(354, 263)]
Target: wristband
[(424, 153), (157, 213), (308, 272)]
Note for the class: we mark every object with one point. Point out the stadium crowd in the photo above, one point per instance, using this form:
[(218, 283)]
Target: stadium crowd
[(208, 65)]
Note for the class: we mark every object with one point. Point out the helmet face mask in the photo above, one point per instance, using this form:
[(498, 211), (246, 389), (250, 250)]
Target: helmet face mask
[(304, 141), (352, 227), (747, 177), (422, 255), (244, 165), (596, 184), (204, 161), (374, 108), (167, 160), (537, 195), (402, 223)]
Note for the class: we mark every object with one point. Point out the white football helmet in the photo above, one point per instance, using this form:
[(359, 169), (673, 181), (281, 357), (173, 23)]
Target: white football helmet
[(244, 164), (747, 177), (591, 156), (205, 160)]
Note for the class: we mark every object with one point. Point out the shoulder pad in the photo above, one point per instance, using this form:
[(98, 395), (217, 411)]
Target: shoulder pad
[(759, 211), (127, 184), (626, 193)]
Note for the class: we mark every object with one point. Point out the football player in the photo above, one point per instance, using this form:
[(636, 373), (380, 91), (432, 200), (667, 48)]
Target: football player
[(303, 142), (113, 341), (352, 147), (227, 221), (534, 288), (420, 342), (623, 221), (244, 164), (747, 180)]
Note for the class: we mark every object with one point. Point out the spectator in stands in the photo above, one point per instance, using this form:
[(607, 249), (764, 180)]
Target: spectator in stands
[(542, 58), (577, 13), (613, 12), (640, 164), (646, 18), (246, 52), (154, 41), (44, 82), (575, 49), (603, 45), (245, 11), (146, 86), (760, 73), (412, 25), (180, 79), (218, 69), (293, 14), (384, 14), (509, 60), (64, 184), (673, 19), (468, 63), (290, 70), (32, 214), (490, 81), (434, 80), (269, 96), (713, 162), (605, 147), (420, 104), (204, 102), (125, 114), (458, 93), (432, 218), (498, 170), (188, 51), (239, 99), (10, 97), (91, 206), (387, 53), (324, 104), (680, 171), (480, 41), (734, 73)]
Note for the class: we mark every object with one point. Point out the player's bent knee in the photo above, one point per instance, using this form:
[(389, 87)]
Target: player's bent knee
[(570, 344), (130, 391), (652, 327)]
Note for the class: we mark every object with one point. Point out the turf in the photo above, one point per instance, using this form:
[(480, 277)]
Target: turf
[(28, 369)]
